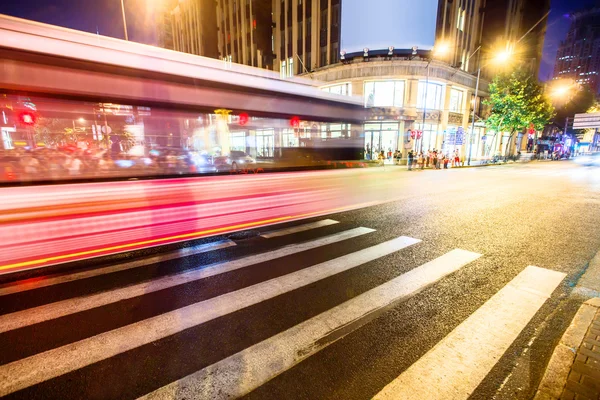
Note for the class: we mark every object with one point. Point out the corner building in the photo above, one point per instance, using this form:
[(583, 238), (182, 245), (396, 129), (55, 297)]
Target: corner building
[(417, 100)]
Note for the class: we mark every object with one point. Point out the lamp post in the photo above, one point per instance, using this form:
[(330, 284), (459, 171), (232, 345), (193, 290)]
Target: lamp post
[(472, 133), (124, 20), (439, 50)]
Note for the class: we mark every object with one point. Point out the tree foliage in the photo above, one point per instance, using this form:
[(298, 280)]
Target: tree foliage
[(517, 100)]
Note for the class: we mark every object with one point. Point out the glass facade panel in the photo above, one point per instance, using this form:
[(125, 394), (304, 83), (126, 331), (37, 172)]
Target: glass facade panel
[(434, 95), (384, 94), (456, 101)]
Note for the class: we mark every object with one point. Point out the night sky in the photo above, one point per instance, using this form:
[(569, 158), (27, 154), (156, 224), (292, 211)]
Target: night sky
[(104, 16)]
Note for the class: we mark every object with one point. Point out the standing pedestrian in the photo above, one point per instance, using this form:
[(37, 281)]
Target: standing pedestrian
[(411, 156), (446, 161), (421, 161), (440, 156)]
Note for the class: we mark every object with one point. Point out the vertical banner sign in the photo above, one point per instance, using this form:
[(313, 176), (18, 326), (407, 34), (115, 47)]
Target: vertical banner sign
[(460, 136)]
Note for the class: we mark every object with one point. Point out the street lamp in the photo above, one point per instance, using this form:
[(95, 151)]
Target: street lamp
[(439, 51), (502, 56), (124, 20)]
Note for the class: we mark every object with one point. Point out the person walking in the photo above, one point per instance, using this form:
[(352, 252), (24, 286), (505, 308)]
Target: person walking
[(421, 161), (440, 156), (411, 156), (446, 161)]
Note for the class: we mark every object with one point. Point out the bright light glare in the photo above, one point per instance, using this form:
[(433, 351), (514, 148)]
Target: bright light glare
[(81, 119), (441, 49), (503, 56)]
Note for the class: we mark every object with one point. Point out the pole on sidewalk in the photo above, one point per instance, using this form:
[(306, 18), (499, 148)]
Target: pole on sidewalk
[(473, 122), (124, 20), (425, 107)]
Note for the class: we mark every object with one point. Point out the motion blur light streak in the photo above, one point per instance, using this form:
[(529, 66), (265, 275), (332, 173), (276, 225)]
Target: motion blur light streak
[(115, 224)]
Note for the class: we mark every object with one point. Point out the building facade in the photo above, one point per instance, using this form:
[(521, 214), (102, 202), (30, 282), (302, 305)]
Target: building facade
[(307, 33), (578, 56), (518, 26), (414, 105), (194, 27)]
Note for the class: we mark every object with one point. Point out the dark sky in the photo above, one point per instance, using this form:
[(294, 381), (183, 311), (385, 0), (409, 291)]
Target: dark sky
[(104, 16)]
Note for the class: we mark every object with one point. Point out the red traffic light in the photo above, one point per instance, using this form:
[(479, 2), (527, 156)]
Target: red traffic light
[(27, 118), (244, 118), (295, 122)]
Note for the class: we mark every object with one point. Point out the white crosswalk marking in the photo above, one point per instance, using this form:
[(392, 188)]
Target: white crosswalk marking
[(47, 312), (56, 362), (456, 366), (21, 286), (300, 228), (245, 371)]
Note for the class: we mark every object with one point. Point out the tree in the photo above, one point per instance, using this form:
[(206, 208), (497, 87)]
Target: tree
[(517, 101)]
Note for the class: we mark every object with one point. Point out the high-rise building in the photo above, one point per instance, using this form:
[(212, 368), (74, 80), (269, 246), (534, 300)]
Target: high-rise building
[(194, 27), (517, 26), (237, 31), (578, 56), (244, 32), (308, 34), (164, 19)]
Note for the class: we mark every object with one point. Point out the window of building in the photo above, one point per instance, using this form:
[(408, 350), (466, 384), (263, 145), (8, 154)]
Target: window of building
[(456, 101), (344, 89), (323, 59), (434, 95), (283, 70), (237, 141), (324, 20), (290, 139), (290, 67), (429, 138), (300, 33), (384, 94)]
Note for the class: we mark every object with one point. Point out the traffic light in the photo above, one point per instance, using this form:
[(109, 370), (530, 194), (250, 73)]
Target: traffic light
[(295, 122), (27, 118)]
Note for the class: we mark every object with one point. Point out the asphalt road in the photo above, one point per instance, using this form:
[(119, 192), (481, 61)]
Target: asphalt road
[(426, 296)]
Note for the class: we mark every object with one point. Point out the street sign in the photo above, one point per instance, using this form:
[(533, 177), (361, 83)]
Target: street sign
[(587, 121), (460, 136)]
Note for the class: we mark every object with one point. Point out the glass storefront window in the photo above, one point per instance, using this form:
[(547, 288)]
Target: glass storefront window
[(344, 89), (289, 138), (238, 141), (429, 138), (265, 143), (384, 94), (434, 95), (456, 101)]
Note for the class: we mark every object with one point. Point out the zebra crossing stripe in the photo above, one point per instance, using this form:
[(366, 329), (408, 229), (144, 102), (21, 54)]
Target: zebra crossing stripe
[(455, 366), (28, 284), (41, 367), (243, 372), (300, 228), (59, 309)]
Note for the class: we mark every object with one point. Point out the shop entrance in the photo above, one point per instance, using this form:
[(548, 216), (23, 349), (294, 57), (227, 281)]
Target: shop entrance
[(384, 138)]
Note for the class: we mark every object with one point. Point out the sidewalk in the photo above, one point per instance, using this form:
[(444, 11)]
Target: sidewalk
[(573, 372), (574, 368)]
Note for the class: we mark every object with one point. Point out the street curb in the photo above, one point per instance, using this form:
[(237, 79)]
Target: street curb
[(557, 371)]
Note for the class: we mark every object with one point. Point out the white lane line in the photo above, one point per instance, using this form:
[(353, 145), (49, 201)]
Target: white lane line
[(25, 285), (300, 228), (243, 372), (455, 366), (56, 362), (50, 311)]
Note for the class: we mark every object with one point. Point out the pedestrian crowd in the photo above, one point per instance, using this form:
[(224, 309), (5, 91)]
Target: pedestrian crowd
[(434, 159)]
